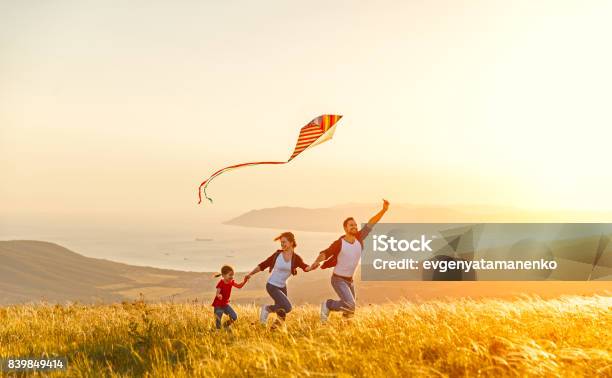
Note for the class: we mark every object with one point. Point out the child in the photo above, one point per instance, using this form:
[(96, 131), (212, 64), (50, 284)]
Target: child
[(224, 289)]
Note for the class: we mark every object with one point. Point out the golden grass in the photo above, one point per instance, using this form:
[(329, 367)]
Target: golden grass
[(570, 336)]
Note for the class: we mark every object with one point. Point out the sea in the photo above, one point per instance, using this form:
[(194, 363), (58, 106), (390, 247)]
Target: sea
[(203, 251)]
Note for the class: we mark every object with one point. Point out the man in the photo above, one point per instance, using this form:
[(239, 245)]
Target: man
[(344, 255)]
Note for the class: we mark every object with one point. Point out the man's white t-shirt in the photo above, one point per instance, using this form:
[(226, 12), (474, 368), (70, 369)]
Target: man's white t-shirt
[(280, 272), (348, 258)]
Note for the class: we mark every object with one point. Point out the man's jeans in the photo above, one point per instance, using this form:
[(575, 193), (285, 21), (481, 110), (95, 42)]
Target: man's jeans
[(219, 311), (346, 291), (281, 305)]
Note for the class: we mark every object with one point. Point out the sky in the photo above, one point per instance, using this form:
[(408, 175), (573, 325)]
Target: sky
[(114, 111)]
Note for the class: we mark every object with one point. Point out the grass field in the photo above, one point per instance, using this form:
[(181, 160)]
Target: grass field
[(570, 336)]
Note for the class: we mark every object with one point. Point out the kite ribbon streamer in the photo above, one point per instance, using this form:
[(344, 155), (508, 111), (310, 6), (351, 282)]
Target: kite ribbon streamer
[(317, 131)]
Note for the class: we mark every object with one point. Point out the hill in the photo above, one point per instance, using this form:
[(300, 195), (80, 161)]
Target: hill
[(34, 270)]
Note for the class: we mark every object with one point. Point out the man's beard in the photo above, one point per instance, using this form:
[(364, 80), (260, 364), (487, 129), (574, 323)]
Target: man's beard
[(354, 232)]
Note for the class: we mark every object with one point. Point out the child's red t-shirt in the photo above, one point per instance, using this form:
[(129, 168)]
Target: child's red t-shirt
[(226, 290)]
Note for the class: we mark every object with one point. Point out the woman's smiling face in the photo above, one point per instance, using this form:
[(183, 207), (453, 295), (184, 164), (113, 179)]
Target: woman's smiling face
[(286, 245)]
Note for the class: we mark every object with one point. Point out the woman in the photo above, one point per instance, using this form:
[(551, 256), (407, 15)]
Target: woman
[(282, 264)]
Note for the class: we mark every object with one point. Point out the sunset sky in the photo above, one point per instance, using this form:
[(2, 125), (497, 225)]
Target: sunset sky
[(118, 110)]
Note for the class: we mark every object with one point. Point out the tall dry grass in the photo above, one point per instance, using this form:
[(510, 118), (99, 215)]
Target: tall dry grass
[(570, 336)]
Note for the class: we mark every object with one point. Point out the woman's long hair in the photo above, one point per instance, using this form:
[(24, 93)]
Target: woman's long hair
[(289, 236)]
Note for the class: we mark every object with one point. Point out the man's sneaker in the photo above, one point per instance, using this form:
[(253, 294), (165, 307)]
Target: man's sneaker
[(263, 314), (324, 312)]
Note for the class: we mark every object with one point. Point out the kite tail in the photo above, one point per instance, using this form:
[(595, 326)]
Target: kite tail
[(202, 189), (204, 184)]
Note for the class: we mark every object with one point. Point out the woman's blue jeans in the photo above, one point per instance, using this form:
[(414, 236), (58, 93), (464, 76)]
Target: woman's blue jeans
[(281, 305)]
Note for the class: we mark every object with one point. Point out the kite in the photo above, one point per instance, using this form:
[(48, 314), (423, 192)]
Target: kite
[(317, 131)]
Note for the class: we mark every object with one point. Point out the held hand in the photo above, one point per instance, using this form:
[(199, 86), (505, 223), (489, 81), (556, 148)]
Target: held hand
[(385, 205), (219, 296)]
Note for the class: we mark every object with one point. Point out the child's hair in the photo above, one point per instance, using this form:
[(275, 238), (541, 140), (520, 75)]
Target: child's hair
[(225, 269), (289, 236)]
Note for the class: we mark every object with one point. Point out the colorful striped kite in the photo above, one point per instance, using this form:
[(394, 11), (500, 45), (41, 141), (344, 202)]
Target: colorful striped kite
[(317, 131)]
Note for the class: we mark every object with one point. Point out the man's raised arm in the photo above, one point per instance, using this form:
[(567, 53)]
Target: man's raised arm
[(379, 215)]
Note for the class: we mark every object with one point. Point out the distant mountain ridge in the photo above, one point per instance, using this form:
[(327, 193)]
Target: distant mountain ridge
[(330, 219)]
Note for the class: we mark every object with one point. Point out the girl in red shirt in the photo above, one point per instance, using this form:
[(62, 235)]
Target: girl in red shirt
[(224, 289)]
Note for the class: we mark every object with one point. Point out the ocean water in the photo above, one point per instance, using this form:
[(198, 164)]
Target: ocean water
[(240, 247)]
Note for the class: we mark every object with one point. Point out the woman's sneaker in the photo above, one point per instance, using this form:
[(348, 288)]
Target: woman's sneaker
[(279, 324), (263, 314), (324, 312)]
